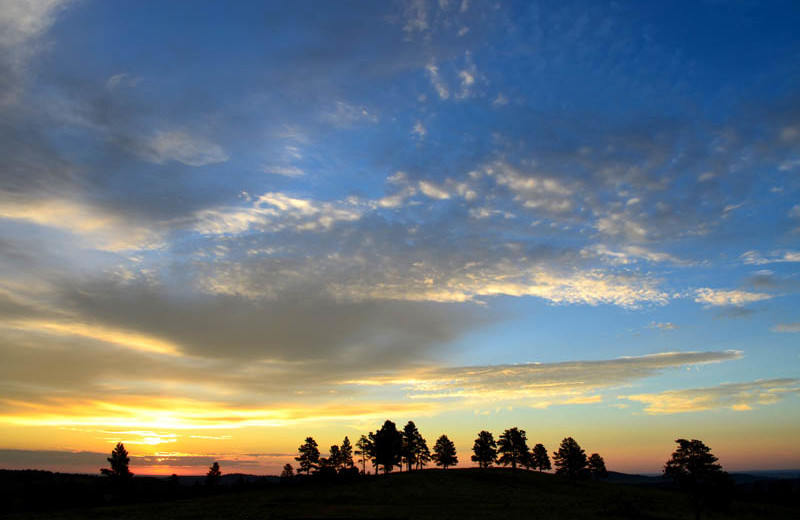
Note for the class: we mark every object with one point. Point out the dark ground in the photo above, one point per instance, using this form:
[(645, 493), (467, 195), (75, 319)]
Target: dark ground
[(436, 494)]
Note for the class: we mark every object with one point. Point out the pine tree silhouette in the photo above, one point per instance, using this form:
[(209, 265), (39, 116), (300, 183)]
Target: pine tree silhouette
[(444, 452), (484, 449), (119, 461)]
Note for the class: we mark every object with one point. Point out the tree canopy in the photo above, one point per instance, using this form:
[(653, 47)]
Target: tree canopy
[(213, 475), (512, 446), (695, 469), (364, 451), (119, 461), (309, 455), (414, 446), (444, 452), (335, 457), (387, 446), (692, 462), (570, 459), (484, 449), (540, 460), (597, 466), (346, 453)]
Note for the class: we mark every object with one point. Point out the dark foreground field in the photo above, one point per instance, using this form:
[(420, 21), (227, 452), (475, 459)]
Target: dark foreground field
[(455, 493)]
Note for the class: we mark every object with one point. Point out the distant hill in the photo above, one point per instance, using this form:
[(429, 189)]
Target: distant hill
[(435, 494)]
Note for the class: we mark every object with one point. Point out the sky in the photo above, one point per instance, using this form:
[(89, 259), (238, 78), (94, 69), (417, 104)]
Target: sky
[(227, 226)]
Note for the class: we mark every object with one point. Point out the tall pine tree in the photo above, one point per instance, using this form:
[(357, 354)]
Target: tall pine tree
[(570, 459), (484, 449), (119, 461), (309, 455), (512, 446), (540, 459), (444, 452)]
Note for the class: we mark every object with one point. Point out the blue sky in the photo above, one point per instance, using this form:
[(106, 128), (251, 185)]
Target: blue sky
[(331, 213)]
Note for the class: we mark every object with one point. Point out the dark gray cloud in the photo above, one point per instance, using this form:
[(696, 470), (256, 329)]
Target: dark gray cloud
[(37, 459), (302, 324)]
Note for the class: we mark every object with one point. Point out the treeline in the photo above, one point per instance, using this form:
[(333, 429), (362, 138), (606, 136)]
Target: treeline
[(389, 448)]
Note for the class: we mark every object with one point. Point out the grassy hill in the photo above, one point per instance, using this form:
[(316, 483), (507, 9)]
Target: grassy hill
[(436, 494)]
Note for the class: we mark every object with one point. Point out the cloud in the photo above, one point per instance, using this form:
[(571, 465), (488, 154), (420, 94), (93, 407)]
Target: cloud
[(185, 414), (718, 297), (122, 80), (436, 80), (541, 384), (419, 129), (22, 24), (756, 258), (179, 146), (631, 254), (99, 228), (662, 326), (433, 191), (786, 327), (467, 77), (124, 338), (277, 211), (416, 17), (734, 396), (481, 280), (345, 115), (80, 461), (398, 199), (500, 101), (286, 171), (533, 190)]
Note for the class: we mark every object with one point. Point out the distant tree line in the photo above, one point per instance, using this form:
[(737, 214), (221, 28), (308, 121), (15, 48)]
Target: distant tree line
[(389, 448)]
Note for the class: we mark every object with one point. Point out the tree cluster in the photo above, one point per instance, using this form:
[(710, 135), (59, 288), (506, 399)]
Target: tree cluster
[(339, 460), (389, 448)]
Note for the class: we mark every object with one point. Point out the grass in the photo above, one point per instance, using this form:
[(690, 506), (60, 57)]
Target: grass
[(432, 494)]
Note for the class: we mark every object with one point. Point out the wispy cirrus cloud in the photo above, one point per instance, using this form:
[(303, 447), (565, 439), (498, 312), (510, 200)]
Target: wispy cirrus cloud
[(123, 79), (786, 327), (542, 384), (733, 396)]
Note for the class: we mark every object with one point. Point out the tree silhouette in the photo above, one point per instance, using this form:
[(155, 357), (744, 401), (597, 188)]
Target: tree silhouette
[(424, 454), (335, 458), (213, 475), (287, 473), (387, 446), (570, 459), (484, 449), (119, 461), (444, 452), (309, 455), (363, 451), (692, 462), (413, 443), (346, 453), (597, 466), (540, 459), (694, 468), (513, 448)]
